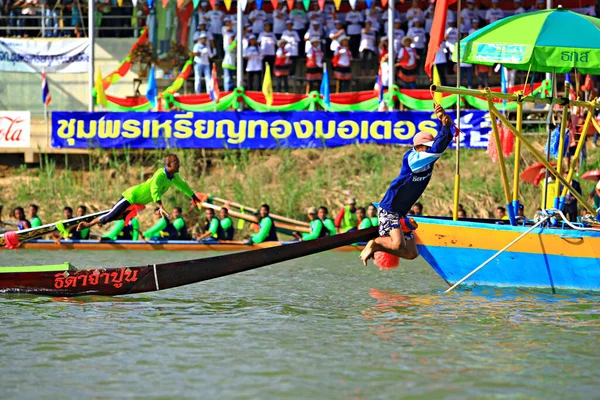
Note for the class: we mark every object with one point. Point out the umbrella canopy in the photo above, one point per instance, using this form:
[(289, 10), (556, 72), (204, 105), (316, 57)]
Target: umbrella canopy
[(530, 173), (593, 175), (544, 41)]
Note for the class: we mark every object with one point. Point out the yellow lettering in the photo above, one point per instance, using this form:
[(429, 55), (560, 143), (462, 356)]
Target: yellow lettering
[(109, 129), (226, 128), (264, 129), (146, 129), (200, 130), (82, 134), (302, 133), (234, 137), (387, 130), (281, 129), (131, 129), (183, 129), (348, 129), (321, 134), (404, 130), (210, 127), (165, 126), (364, 130), (429, 127), (66, 129)]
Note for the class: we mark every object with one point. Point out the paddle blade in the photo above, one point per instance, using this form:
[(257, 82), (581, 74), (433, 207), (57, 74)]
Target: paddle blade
[(385, 260)]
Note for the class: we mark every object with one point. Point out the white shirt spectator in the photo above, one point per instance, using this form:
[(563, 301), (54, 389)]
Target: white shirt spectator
[(317, 54), (291, 37), (259, 17), (520, 10), (254, 59), (344, 56), (415, 13), (279, 18), (418, 37), (216, 21), (398, 35), (204, 16), (334, 43), (367, 40), (205, 53), (299, 19), (268, 43), (385, 73), (467, 15), (374, 22), (224, 31), (384, 16), (451, 37), (450, 17), (328, 20), (493, 15), (311, 33), (353, 21), (209, 36), (440, 55)]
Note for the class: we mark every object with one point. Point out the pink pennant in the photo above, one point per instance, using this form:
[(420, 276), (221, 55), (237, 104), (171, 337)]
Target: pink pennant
[(321, 4), (275, 4), (213, 4), (290, 4)]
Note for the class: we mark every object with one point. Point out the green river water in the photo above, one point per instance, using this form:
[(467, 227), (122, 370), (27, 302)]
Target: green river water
[(320, 327)]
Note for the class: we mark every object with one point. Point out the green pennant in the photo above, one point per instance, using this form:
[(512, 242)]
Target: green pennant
[(306, 4)]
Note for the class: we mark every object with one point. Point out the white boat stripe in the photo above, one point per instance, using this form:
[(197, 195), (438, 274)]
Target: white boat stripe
[(156, 278)]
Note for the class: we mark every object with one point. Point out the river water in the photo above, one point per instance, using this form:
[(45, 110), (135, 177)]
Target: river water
[(321, 327)]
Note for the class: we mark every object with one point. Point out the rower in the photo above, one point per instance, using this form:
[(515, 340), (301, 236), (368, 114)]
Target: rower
[(226, 224), (120, 231), (19, 214), (179, 224), (84, 234), (163, 229), (415, 174), (365, 222), (346, 219), (150, 191), (327, 222), (34, 220), (267, 232), (317, 229), (372, 215), (212, 227)]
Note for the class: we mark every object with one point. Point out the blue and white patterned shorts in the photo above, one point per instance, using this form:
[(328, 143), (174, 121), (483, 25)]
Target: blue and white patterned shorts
[(389, 220)]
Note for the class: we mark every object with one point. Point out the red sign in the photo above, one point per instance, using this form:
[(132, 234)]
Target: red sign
[(15, 128), (95, 278)]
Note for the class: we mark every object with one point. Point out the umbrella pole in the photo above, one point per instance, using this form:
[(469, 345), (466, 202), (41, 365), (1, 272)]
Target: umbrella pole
[(539, 156), (503, 172), (457, 166), (549, 132), (516, 178), (574, 160), (561, 148)]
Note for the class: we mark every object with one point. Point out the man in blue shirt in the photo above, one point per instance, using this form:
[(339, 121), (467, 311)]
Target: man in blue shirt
[(405, 190)]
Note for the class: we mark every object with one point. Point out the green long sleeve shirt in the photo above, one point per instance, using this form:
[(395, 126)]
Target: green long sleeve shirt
[(226, 223), (118, 227), (156, 228), (35, 222), (365, 223), (316, 226), (328, 223), (213, 228), (179, 223), (263, 233), (154, 188)]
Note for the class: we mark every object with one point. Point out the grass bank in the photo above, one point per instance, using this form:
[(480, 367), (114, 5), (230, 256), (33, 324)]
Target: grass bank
[(289, 180)]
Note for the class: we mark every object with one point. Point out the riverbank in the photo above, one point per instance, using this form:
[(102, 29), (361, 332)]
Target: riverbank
[(289, 180)]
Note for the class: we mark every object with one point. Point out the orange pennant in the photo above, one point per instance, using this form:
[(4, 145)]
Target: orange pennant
[(275, 4), (165, 3), (290, 4)]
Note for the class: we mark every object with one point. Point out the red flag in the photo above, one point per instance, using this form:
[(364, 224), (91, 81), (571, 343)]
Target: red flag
[(290, 4), (436, 35), (275, 4), (384, 3), (213, 4)]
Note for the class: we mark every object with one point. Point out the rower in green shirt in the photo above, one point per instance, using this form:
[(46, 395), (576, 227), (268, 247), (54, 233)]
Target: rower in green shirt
[(211, 224), (162, 229), (150, 191), (267, 232), (327, 222), (362, 217), (372, 215), (121, 232), (179, 224), (34, 220), (226, 224), (317, 229)]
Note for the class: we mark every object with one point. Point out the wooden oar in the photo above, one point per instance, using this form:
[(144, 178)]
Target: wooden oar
[(275, 217), (33, 233), (280, 226)]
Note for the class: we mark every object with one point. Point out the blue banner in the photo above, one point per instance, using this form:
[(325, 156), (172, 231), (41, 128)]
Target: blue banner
[(254, 130)]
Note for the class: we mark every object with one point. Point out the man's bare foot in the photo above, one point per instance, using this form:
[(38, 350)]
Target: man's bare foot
[(83, 225), (368, 252)]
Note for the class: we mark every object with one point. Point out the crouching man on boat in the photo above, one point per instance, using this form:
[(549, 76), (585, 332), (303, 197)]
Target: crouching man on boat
[(150, 191), (415, 174)]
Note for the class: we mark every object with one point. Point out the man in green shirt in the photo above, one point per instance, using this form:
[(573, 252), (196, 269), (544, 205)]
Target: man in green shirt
[(163, 229), (267, 232), (346, 219), (327, 222), (120, 231), (34, 220), (212, 226), (317, 229), (179, 224), (226, 224), (150, 191)]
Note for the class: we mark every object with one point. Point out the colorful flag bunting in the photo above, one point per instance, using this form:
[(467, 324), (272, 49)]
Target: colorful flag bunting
[(321, 4), (243, 4), (306, 4), (275, 4), (227, 4), (213, 4), (369, 3), (258, 4), (572, 95), (267, 87), (384, 4), (46, 96), (353, 4), (324, 90), (290, 4), (337, 4), (152, 90)]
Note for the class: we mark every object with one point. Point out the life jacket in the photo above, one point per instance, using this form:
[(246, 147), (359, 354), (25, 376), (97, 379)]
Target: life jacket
[(350, 220), (182, 234), (227, 234), (169, 233), (127, 232), (272, 232), (408, 58), (324, 230)]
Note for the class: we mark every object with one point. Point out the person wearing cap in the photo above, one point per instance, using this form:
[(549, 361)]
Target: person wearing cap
[(293, 42), (267, 231), (314, 31), (419, 40), (202, 54), (268, 45), (317, 229), (363, 221), (383, 47), (202, 27), (335, 34), (494, 14), (215, 27), (468, 15), (374, 17), (201, 16), (367, 49), (354, 20), (280, 16), (282, 66), (328, 17), (299, 19), (229, 53), (314, 65), (254, 65), (414, 13), (347, 220), (257, 18), (519, 8), (407, 63), (342, 64), (405, 190), (327, 222), (399, 34)]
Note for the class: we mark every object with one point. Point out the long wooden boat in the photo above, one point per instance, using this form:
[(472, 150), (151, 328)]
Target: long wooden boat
[(62, 280), (547, 258), (170, 245)]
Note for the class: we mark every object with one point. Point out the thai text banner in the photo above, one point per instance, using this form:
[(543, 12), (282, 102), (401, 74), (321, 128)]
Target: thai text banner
[(253, 130), (65, 56)]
